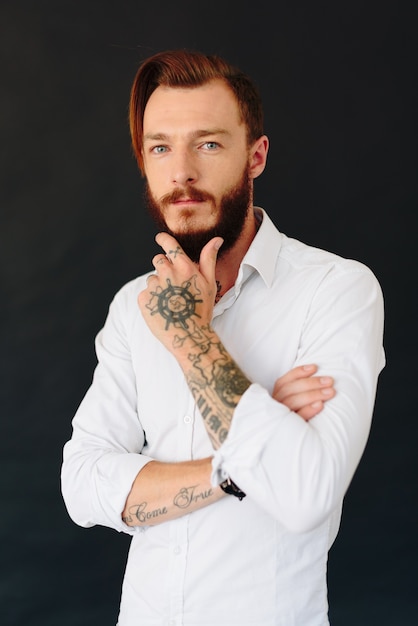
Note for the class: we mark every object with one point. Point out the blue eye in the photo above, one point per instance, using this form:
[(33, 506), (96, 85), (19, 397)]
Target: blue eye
[(211, 145), (159, 149)]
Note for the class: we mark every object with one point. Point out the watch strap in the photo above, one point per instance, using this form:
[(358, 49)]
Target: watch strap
[(228, 486)]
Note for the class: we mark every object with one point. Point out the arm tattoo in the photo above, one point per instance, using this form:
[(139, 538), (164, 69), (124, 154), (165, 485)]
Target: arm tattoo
[(188, 495), (139, 511), (217, 387)]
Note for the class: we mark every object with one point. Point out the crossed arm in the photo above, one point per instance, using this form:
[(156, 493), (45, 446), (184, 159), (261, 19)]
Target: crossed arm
[(165, 491), (177, 306)]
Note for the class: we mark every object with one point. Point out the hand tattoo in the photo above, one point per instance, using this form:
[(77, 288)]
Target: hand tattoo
[(215, 380), (176, 304)]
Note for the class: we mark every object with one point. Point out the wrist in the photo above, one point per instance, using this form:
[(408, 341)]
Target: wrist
[(229, 487)]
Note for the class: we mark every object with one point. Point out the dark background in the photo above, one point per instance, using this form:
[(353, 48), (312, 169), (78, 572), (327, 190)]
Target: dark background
[(338, 83)]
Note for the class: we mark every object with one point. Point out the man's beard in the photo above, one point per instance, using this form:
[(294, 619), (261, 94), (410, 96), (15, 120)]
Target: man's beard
[(233, 210)]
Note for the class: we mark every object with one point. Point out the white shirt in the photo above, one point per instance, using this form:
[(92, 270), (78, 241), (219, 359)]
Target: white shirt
[(261, 561)]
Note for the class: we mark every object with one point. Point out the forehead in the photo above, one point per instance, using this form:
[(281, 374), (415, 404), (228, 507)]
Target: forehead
[(210, 105)]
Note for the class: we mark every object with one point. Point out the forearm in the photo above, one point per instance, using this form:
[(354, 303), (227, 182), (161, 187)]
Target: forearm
[(165, 491), (177, 305), (215, 380)]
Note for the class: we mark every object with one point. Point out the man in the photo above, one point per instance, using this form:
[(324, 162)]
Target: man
[(235, 384)]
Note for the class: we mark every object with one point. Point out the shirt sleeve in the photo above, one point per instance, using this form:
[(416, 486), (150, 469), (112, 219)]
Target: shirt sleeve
[(299, 471), (103, 456)]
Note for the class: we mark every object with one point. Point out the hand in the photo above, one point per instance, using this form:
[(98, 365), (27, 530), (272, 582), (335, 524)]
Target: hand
[(302, 392), (180, 297)]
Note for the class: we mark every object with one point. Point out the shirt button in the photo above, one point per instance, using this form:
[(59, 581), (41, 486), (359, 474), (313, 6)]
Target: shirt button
[(187, 419), (177, 550)]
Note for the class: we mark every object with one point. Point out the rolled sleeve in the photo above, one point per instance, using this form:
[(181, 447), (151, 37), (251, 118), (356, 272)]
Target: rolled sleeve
[(299, 471), (95, 485), (104, 454)]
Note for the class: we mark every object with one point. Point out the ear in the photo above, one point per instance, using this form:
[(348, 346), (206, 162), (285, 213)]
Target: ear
[(258, 156)]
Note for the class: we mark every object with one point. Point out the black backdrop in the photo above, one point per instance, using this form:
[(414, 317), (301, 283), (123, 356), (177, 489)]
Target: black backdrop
[(337, 79)]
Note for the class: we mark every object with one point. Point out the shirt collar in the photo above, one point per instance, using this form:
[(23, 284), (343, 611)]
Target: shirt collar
[(263, 252)]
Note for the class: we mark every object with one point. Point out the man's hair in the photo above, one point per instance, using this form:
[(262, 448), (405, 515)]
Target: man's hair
[(185, 68)]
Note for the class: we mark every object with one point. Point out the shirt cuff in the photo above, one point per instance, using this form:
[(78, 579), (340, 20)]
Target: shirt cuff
[(255, 417), (115, 476)]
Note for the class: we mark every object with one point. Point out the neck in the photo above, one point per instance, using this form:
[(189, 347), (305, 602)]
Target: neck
[(227, 266)]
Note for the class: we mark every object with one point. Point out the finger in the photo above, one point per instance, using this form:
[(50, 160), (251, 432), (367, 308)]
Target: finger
[(208, 256), (296, 401), (152, 279), (284, 387), (173, 250), (160, 260), (301, 371), (311, 410)]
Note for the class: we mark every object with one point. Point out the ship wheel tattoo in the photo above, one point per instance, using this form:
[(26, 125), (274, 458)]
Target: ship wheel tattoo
[(175, 304)]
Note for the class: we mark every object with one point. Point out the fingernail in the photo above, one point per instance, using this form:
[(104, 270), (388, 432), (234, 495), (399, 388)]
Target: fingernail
[(327, 392), (309, 368), (325, 380)]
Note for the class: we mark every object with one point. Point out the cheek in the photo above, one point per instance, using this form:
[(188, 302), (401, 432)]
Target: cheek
[(231, 174), (155, 181), (237, 162)]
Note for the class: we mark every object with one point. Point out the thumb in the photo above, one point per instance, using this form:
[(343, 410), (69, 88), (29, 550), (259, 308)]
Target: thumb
[(208, 256)]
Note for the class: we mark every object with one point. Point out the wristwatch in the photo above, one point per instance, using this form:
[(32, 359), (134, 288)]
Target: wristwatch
[(232, 489)]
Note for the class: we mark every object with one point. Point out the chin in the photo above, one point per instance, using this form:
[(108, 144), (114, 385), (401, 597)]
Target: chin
[(191, 225)]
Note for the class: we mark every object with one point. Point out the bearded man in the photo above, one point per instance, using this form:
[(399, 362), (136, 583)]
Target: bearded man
[(235, 384)]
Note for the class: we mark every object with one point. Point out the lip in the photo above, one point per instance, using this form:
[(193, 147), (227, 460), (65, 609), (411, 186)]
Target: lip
[(185, 202)]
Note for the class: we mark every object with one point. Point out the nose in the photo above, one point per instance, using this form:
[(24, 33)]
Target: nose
[(184, 170)]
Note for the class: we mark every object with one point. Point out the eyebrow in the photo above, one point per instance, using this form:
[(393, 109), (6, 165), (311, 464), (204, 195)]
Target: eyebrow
[(196, 134)]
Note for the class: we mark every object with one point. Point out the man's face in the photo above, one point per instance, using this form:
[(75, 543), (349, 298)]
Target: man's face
[(231, 211), (196, 163)]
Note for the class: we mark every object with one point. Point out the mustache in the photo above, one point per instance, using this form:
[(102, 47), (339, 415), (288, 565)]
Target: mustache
[(180, 194)]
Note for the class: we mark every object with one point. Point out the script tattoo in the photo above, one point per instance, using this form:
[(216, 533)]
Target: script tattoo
[(142, 515), (187, 496)]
